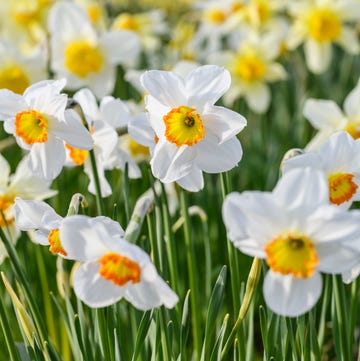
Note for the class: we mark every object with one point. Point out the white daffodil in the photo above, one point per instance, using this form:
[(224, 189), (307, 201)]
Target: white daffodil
[(320, 23), (327, 117), (38, 121), (252, 66), (18, 71), (339, 159), (112, 268), (23, 183), (299, 234), (149, 26), (82, 56), (39, 217), (193, 135), (104, 137)]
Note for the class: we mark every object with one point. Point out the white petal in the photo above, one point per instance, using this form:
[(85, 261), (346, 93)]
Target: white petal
[(141, 131), (72, 131), (88, 104), (215, 158), (223, 122), (258, 98), (47, 159), (170, 163), (302, 188), (93, 289), (82, 236), (206, 84), (11, 104), (129, 50), (318, 55), (29, 214), (146, 295), (105, 187), (289, 296), (352, 101), (351, 274), (275, 72), (168, 88), (114, 112), (348, 40), (311, 160), (323, 113), (193, 182), (4, 171)]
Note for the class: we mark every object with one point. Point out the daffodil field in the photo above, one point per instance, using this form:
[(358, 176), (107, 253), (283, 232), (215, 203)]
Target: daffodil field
[(179, 180)]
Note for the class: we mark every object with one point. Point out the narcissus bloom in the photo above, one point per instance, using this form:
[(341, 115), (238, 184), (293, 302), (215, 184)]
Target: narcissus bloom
[(192, 134), (319, 24), (252, 66), (299, 234), (112, 268), (82, 56), (39, 217), (38, 121), (23, 183), (327, 117), (339, 159)]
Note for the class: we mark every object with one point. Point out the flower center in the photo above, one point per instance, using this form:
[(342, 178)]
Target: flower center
[(353, 128), (55, 243), (126, 22), (94, 12), (215, 16), (324, 25), (292, 254), (341, 187), (31, 126), (7, 215), (25, 12), (249, 68), (78, 156), (259, 11), (82, 58), (119, 269), (14, 78), (183, 126)]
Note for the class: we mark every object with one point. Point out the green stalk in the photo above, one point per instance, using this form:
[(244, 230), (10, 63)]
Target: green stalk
[(99, 199), (190, 256), (225, 187), (9, 340), (251, 285)]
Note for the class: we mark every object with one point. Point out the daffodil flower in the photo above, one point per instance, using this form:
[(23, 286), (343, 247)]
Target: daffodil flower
[(39, 217), (38, 121), (339, 159), (298, 233), (321, 23), (82, 56), (23, 183), (111, 267), (192, 134), (327, 117)]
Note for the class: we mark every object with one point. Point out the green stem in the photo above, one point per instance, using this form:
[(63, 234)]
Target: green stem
[(225, 187), (190, 256), (251, 285), (99, 200)]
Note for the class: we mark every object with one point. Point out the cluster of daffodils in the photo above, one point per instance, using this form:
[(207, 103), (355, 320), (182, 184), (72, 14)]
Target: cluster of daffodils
[(111, 268)]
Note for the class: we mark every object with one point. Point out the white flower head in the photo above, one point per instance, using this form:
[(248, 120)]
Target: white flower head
[(339, 159), (320, 23), (112, 268), (299, 234), (23, 183), (38, 216), (82, 56), (193, 134), (38, 122), (327, 117)]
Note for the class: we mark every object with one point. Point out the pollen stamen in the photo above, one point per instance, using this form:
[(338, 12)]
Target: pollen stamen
[(341, 187), (55, 243), (31, 126), (292, 253)]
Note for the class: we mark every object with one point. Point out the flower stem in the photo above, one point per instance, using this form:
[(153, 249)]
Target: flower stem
[(251, 285), (190, 256), (99, 200)]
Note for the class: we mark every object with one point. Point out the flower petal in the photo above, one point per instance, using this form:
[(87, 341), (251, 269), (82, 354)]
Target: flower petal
[(318, 55), (289, 296)]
